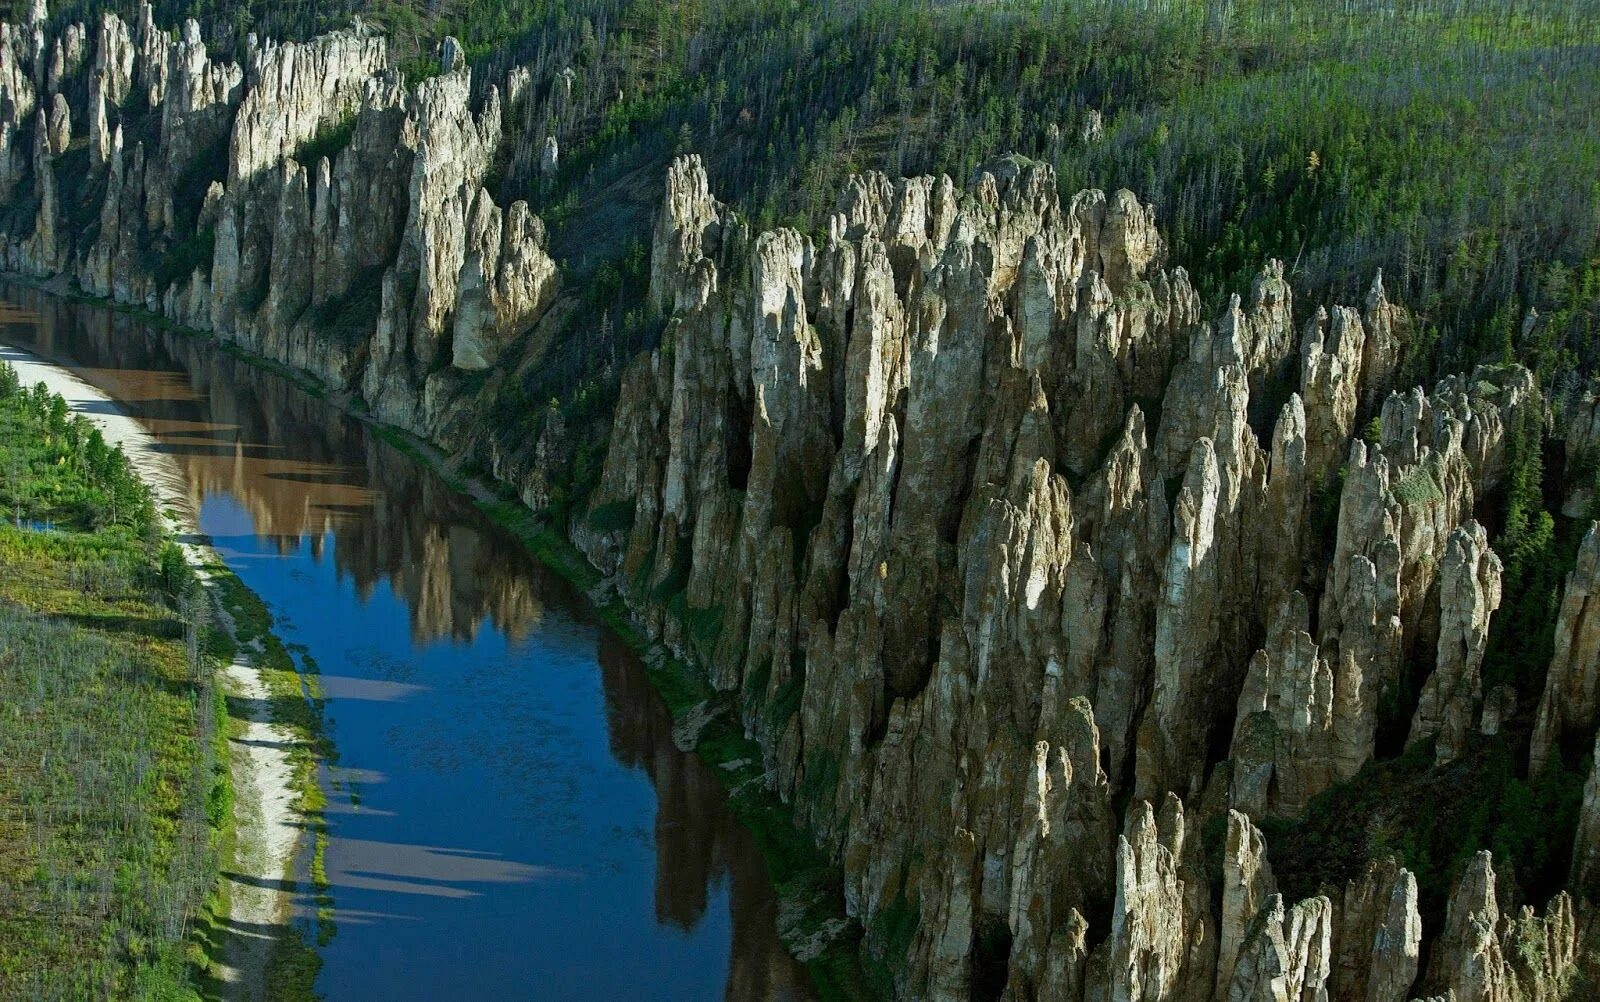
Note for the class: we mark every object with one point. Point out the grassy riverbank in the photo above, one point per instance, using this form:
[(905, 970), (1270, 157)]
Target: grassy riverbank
[(115, 798), (295, 700), (123, 830)]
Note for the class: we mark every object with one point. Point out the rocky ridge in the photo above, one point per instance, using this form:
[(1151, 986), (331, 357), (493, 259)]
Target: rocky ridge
[(384, 264), (1024, 575), (972, 598)]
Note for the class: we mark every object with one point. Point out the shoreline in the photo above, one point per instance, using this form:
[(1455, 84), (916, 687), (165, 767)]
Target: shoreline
[(267, 832), (815, 925)]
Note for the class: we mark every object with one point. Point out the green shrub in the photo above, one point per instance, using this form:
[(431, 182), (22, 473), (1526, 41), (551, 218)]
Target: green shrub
[(329, 141), (176, 576), (193, 252), (613, 516)]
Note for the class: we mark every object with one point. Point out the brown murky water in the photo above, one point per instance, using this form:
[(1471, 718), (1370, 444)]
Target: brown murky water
[(509, 815)]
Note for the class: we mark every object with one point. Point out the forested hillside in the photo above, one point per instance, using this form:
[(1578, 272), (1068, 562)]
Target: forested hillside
[(1451, 143), (1146, 433), (1454, 145)]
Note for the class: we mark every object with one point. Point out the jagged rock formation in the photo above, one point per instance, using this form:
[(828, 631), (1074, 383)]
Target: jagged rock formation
[(1070, 805), (904, 474), (1482, 957), (507, 281), (1290, 741), (1572, 688), (1586, 845), (1378, 935), (1286, 955), (1158, 943), (1582, 446), (981, 530), (1469, 592), (1247, 884), (907, 363), (366, 268), (294, 91)]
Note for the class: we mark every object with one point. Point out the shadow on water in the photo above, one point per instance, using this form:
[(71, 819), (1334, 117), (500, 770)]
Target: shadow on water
[(508, 815)]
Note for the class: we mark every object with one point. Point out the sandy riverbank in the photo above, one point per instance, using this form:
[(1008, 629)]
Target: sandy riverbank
[(268, 835)]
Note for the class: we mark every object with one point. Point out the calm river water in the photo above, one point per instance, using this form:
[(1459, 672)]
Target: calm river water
[(509, 816)]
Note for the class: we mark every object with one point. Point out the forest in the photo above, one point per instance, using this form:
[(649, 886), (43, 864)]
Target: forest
[(1450, 146), (1450, 143)]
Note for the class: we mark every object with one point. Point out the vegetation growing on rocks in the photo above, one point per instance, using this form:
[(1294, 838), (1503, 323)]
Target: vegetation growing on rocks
[(1030, 533)]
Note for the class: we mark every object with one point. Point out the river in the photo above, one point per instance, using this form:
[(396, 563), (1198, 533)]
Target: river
[(508, 815)]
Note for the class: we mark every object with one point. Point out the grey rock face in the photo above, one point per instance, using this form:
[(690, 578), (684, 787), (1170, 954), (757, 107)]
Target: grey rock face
[(113, 58), (59, 125), (1483, 957), (1572, 688), (1378, 936), (507, 280), (1288, 725), (970, 595), (1581, 436), (1586, 846), (293, 90), (1247, 885), (355, 267), (1286, 955), (919, 380), (1469, 592)]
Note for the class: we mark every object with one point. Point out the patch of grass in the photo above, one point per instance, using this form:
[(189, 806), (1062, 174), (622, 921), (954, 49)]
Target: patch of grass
[(786, 702), (893, 929), (58, 469), (705, 626), (116, 795), (293, 968), (193, 252), (355, 313), (252, 622), (677, 577), (1417, 486)]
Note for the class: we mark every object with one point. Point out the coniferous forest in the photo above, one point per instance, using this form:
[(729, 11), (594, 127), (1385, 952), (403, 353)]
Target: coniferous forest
[(841, 534)]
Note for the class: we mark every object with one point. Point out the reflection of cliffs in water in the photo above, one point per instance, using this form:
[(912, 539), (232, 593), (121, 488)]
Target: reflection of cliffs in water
[(307, 473), (300, 469), (439, 554), (698, 840)]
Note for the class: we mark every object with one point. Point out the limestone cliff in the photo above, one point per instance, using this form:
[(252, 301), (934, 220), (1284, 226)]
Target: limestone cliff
[(384, 266), (1043, 593), (1572, 689), (906, 475)]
